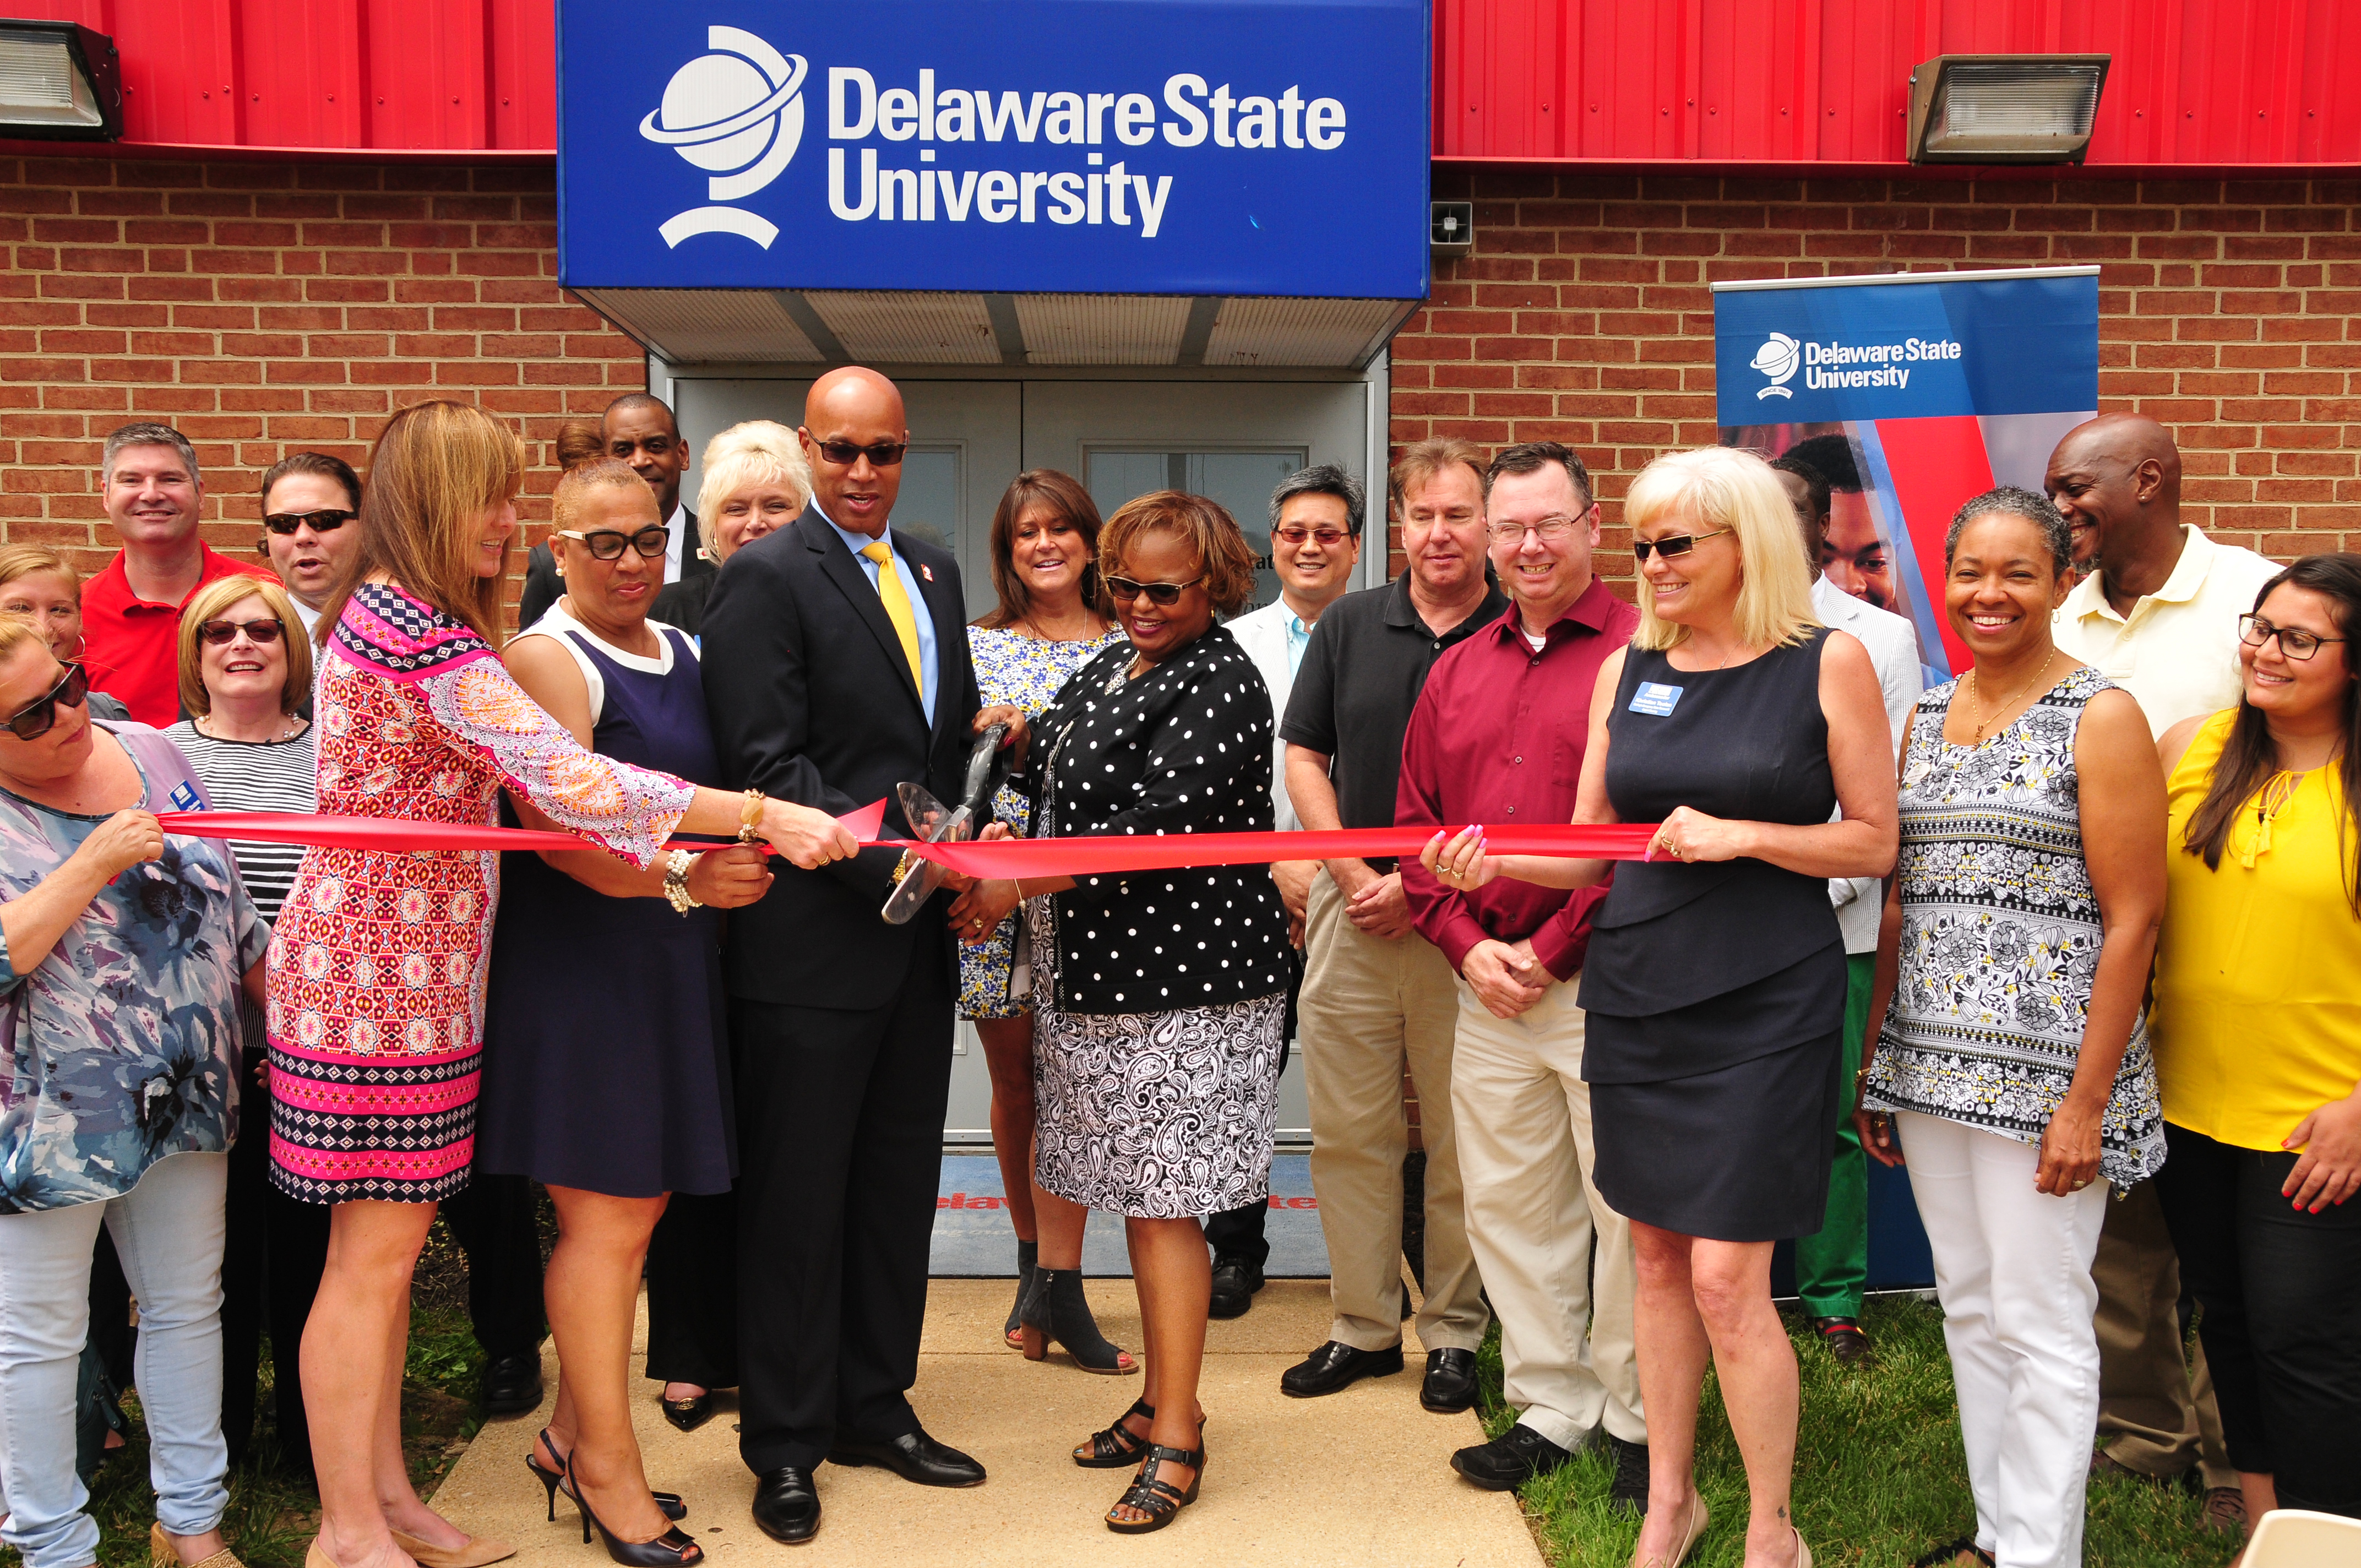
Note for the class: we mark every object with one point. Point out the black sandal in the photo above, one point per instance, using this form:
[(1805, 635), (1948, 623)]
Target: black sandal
[(1116, 1447), (1055, 1309), (1948, 1554), (1158, 1498)]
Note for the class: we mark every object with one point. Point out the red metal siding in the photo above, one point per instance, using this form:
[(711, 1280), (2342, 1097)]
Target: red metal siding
[(2204, 83), (2200, 82)]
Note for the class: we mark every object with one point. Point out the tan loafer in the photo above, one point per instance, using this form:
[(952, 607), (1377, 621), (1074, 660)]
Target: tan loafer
[(477, 1552), (162, 1553)]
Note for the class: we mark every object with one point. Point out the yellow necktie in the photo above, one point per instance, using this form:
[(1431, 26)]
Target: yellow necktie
[(897, 606)]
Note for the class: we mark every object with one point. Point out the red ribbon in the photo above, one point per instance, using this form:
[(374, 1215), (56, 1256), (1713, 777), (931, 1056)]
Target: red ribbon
[(993, 858)]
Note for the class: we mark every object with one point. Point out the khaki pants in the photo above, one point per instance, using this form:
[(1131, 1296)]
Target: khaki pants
[(1367, 1006), (1556, 1259), (2157, 1413)]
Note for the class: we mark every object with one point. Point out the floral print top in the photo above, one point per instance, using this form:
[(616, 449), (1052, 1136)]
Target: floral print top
[(124, 1041), (2001, 938)]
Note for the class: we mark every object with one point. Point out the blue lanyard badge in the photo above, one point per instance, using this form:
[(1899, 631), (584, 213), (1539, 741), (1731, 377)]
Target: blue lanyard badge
[(1655, 700), (184, 795)]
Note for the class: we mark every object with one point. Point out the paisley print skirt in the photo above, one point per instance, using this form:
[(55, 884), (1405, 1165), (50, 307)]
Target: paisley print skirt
[(1155, 1116)]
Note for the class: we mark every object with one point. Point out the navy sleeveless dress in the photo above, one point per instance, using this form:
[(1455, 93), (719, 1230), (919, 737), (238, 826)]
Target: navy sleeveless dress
[(606, 1059), (1715, 992)]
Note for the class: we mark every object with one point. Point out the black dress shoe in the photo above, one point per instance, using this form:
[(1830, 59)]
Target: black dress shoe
[(510, 1385), (1235, 1283), (1450, 1386), (1629, 1494), (914, 1456), (786, 1507), (1843, 1338), (1334, 1367), (689, 1414), (1509, 1460)]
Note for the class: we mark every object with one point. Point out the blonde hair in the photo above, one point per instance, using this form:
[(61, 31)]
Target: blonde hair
[(1721, 486), (31, 560), (217, 596), (16, 631), (436, 469), (756, 452)]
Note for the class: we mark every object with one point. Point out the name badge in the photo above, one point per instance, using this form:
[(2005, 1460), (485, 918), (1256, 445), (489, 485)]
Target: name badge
[(184, 795), (1655, 700)]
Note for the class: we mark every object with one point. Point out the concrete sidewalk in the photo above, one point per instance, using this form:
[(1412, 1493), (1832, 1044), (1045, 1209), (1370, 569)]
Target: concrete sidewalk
[(1360, 1479)]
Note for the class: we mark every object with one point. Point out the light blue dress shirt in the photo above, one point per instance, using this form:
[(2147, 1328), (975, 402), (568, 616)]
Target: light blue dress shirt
[(857, 543), (1299, 638)]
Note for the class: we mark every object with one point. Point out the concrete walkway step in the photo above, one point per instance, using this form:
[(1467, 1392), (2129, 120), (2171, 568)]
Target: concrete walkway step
[(1360, 1479)]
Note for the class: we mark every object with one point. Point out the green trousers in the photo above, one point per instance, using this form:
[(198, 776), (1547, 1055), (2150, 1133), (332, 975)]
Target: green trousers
[(1832, 1264)]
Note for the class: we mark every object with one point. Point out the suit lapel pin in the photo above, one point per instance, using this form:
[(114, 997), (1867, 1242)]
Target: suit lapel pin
[(926, 571)]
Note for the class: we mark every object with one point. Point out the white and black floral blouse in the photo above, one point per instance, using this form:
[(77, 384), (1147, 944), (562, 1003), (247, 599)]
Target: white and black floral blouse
[(2001, 938), (1185, 748)]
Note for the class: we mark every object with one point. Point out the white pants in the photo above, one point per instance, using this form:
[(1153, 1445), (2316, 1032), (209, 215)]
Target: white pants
[(2012, 1268), (168, 1232), (1556, 1259)]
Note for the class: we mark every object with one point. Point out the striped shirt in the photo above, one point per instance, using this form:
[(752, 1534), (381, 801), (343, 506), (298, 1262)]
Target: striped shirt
[(256, 775)]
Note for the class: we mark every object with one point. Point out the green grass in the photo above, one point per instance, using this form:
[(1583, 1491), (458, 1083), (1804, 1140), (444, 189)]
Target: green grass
[(1880, 1475)]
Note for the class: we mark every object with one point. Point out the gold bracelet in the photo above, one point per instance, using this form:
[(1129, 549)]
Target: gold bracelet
[(749, 815)]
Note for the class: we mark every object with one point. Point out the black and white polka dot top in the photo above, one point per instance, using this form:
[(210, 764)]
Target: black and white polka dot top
[(1185, 748)]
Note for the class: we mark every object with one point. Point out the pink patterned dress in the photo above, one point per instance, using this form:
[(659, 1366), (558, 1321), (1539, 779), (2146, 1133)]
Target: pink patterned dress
[(378, 960)]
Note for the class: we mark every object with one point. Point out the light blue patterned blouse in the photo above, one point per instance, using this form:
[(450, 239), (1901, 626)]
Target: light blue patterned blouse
[(124, 1041)]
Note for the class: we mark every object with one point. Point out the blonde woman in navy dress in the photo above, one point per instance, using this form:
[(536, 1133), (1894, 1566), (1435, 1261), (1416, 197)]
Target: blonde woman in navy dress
[(1053, 618), (1714, 987)]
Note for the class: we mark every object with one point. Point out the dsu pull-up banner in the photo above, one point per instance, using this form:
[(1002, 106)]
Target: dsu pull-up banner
[(1909, 393)]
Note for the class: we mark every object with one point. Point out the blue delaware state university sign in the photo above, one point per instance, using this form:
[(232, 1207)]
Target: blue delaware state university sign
[(1164, 147)]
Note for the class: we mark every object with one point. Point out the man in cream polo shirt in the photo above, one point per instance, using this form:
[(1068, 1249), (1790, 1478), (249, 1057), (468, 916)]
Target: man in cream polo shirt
[(2157, 612)]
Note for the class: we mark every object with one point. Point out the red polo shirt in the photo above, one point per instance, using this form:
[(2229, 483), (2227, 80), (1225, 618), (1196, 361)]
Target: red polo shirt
[(131, 646), (1498, 736)]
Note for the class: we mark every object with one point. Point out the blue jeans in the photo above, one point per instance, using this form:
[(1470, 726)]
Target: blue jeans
[(168, 1232)]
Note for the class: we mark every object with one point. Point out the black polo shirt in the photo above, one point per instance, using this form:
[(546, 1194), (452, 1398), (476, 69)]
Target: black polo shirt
[(1362, 672)]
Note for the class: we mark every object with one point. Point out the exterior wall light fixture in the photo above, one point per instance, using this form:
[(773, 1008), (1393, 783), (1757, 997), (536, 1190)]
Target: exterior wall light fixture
[(2005, 108)]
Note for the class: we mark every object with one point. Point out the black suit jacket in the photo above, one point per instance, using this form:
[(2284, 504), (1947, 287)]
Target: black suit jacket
[(680, 604), (811, 700)]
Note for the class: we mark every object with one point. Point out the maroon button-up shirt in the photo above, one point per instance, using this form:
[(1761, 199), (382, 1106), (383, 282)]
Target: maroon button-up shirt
[(1498, 736)]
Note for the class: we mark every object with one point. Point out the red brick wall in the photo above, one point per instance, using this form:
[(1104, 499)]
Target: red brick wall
[(2229, 309), (264, 308)]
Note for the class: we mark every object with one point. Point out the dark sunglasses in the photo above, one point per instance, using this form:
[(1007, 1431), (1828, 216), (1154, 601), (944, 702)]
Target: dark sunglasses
[(328, 521), (1164, 594), (221, 633), (1672, 545), (607, 543), (39, 717), (845, 454)]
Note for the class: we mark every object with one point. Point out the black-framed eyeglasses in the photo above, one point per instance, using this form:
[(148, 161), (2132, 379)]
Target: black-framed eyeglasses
[(326, 520), (608, 543), (1671, 543), (221, 633), (1164, 594), (38, 718), (845, 454), (2253, 632), (1326, 538)]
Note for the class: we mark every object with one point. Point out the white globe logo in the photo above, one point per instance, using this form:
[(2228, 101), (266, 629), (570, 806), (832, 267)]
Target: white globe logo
[(1777, 358), (737, 114)]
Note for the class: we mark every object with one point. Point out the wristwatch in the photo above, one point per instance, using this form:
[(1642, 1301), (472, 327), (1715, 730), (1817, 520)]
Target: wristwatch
[(676, 892)]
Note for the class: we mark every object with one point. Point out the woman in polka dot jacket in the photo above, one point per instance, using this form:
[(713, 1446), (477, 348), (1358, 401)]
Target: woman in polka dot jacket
[(1158, 997)]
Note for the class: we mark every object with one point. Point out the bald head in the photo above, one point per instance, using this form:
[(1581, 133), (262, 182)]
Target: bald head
[(852, 408), (2116, 478)]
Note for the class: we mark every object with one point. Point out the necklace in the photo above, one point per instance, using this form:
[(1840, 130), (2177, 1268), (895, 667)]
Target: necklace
[(1085, 621), (2005, 703), (294, 728)]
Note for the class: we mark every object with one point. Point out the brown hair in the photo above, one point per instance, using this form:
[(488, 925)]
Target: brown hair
[(320, 465), (1223, 557), (436, 469), (2249, 758), (27, 560), (1063, 494), (1422, 460), (578, 441), (216, 597), (574, 488)]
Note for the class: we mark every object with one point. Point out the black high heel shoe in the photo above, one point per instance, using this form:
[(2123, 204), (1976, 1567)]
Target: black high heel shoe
[(1028, 1263), (1112, 1448), (671, 1549), (674, 1508), (1056, 1309)]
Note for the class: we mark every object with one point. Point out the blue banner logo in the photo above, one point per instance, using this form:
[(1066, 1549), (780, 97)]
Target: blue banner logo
[(738, 112)]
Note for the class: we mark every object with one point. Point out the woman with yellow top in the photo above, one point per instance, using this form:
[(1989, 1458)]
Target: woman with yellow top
[(2258, 1039)]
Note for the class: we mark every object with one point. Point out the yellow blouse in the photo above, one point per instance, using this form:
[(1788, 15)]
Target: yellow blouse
[(2258, 1019)]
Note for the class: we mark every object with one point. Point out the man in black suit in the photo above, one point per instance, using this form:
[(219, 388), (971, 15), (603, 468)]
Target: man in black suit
[(640, 431), (831, 677)]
